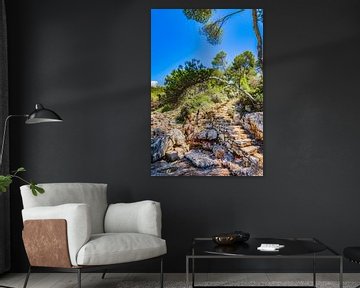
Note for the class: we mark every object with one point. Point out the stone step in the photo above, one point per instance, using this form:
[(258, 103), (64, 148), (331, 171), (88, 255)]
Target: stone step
[(239, 132), (244, 142), (239, 135), (221, 118), (250, 149), (237, 129), (243, 136), (233, 126), (258, 156), (237, 151)]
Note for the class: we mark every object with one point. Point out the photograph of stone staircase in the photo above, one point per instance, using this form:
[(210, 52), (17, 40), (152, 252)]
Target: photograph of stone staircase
[(208, 120)]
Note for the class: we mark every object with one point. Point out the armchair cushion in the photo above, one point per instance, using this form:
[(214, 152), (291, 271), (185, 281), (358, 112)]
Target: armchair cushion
[(92, 194), (113, 248), (138, 217), (78, 221)]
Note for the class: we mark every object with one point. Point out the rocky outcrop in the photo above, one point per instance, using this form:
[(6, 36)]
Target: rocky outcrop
[(172, 156), (160, 123), (219, 151), (159, 146), (207, 134), (177, 137), (172, 145), (253, 122), (199, 159), (224, 142), (184, 167)]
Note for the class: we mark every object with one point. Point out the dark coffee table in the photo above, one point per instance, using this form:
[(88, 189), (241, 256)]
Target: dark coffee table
[(295, 248)]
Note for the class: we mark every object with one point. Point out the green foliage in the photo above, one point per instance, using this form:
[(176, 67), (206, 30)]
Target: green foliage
[(20, 169), (36, 189), (212, 32), (184, 113), (217, 73), (254, 86), (193, 104), (258, 93), (219, 61), (244, 63), (166, 108), (199, 15), (156, 93), (244, 75), (245, 85), (213, 29), (6, 180), (242, 70), (182, 78)]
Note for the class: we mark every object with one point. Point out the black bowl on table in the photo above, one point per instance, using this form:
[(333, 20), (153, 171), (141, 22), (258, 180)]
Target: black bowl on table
[(231, 238)]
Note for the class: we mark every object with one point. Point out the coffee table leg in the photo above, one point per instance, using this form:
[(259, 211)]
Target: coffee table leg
[(341, 273), (193, 272), (187, 272), (314, 271)]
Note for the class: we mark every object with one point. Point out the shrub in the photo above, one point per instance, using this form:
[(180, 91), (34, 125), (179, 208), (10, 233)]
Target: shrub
[(191, 105), (156, 94), (182, 78), (166, 108)]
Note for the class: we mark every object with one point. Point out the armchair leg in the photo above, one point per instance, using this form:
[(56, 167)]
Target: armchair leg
[(161, 273), (27, 277), (103, 275), (79, 277)]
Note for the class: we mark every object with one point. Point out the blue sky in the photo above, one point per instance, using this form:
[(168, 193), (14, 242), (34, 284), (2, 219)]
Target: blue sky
[(175, 39)]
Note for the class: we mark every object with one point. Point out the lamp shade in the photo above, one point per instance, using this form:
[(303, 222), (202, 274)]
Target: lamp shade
[(42, 115)]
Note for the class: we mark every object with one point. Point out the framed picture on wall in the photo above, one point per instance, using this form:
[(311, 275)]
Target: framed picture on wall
[(207, 92)]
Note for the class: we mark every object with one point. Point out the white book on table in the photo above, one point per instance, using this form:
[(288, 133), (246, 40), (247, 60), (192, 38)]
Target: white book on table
[(270, 247)]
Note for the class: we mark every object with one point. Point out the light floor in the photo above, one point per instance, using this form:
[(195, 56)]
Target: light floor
[(115, 280)]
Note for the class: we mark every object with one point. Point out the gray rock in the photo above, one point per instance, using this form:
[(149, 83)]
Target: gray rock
[(159, 146), (180, 151), (221, 137), (177, 137), (199, 159), (158, 132), (219, 151), (207, 134), (253, 122), (208, 126), (172, 156)]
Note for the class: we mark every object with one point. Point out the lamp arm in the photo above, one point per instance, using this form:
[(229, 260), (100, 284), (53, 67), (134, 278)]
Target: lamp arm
[(4, 134)]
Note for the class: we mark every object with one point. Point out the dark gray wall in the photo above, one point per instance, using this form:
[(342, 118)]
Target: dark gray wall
[(90, 61)]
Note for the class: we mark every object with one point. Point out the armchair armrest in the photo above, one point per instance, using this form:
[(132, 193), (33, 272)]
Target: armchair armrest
[(77, 217), (138, 217)]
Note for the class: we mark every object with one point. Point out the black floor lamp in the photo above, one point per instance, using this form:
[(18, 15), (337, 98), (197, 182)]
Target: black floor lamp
[(39, 115)]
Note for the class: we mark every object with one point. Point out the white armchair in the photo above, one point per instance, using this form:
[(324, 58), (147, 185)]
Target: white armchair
[(79, 231)]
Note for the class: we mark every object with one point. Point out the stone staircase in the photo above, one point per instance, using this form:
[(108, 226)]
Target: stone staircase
[(234, 137)]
